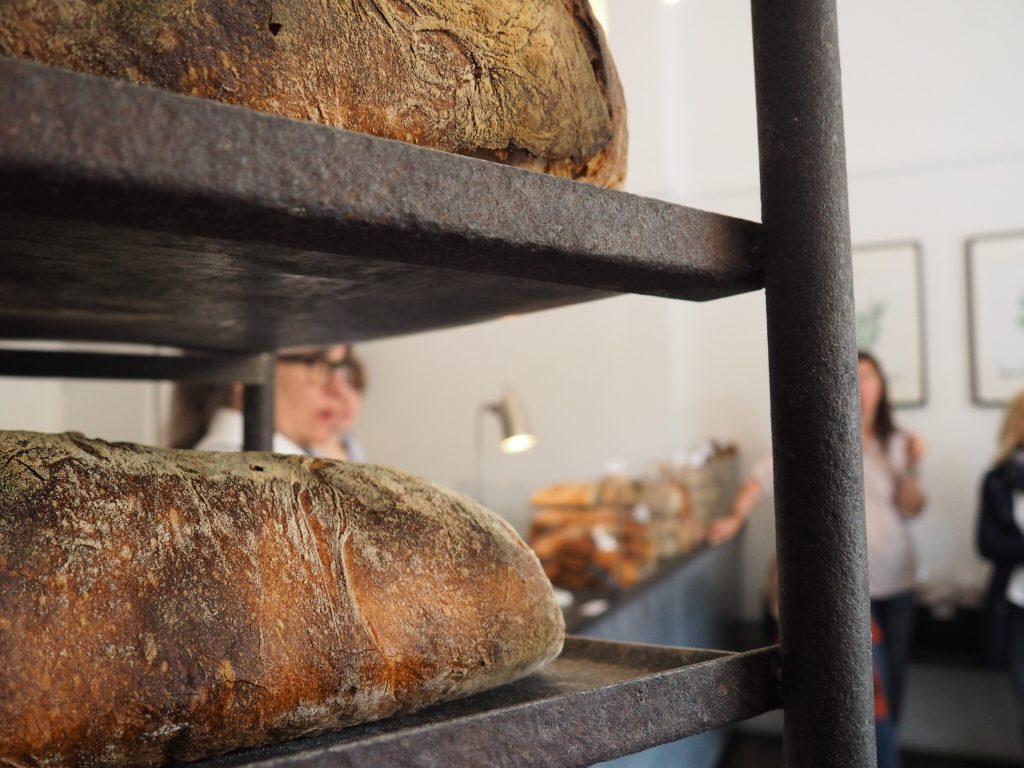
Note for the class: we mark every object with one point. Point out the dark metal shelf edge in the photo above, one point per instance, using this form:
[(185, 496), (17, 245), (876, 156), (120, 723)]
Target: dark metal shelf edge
[(706, 690), (247, 369), (109, 152), (577, 622)]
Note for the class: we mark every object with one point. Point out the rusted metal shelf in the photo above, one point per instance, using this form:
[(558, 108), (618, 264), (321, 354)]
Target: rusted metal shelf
[(128, 214), (597, 701), (135, 215)]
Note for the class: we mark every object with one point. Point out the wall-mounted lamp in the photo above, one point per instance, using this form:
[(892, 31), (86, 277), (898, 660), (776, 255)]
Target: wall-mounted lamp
[(516, 435)]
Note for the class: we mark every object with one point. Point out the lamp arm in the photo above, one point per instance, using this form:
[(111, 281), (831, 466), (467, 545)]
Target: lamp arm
[(478, 451)]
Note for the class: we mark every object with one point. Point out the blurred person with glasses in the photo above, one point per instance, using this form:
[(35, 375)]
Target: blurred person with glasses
[(342, 445), (311, 387)]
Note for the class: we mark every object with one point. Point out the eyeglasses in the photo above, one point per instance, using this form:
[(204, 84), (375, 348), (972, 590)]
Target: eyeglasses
[(319, 369)]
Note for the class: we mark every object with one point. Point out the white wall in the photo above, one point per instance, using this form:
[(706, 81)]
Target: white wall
[(31, 404), (111, 410), (935, 145), (594, 380), (935, 136)]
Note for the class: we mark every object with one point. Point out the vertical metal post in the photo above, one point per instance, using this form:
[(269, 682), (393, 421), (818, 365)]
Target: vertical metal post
[(826, 644), (258, 409)]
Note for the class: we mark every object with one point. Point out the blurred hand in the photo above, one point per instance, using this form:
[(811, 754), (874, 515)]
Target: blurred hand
[(910, 498), (723, 529), (916, 449)]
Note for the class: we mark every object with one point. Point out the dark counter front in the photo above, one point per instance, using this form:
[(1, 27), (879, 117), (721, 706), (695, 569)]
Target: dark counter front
[(691, 600)]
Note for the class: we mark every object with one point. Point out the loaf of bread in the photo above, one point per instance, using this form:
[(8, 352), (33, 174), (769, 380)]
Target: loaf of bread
[(613, 490), (567, 495), (528, 82), (160, 605)]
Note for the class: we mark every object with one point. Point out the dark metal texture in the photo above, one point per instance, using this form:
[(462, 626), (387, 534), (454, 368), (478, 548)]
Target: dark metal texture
[(596, 701), (258, 409), (249, 369), (577, 621), (128, 213), (64, 279), (819, 507)]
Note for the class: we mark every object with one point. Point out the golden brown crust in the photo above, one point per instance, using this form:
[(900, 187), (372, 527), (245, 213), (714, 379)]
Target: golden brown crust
[(566, 495), (529, 82), (165, 605)]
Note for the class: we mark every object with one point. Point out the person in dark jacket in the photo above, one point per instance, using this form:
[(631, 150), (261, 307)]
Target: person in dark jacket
[(1001, 540)]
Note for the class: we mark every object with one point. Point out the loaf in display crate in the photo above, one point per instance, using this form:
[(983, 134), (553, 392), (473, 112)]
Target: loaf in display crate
[(610, 533)]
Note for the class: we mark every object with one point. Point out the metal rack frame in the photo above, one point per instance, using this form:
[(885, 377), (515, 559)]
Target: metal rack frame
[(132, 215), (812, 354), (255, 372)]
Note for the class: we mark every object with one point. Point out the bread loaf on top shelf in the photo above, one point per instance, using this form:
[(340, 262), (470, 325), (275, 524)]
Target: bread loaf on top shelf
[(161, 605), (528, 82)]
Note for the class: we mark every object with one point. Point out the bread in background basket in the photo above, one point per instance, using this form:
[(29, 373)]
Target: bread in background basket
[(608, 534)]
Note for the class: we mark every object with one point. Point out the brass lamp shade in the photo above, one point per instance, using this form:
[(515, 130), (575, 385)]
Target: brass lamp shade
[(516, 435)]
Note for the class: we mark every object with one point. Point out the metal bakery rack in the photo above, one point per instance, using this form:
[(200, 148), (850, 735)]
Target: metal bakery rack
[(133, 215)]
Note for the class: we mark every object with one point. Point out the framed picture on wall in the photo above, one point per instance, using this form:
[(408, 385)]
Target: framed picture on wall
[(890, 315), (995, 305)]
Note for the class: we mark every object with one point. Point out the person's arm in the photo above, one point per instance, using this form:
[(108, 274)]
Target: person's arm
[(910, 497), (994, 543), (725, 528)]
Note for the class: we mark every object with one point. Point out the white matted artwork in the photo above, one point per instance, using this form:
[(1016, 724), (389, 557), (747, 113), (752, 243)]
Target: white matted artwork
[(890, 315), (995, 301)]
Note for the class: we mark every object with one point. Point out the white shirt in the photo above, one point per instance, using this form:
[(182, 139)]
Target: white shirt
[(1015, 587), (763, 473), (226, 430), (891, 561), (353, 448)]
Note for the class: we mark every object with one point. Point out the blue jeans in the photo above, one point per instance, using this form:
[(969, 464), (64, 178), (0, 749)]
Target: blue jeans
[(895, 615), (887, 752)]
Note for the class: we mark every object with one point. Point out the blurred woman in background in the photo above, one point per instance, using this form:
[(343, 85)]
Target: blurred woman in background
[(342, 444), (310, 386), (892, 496), (1001, 540)]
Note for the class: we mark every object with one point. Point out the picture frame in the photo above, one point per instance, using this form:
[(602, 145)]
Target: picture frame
[(887, 287), (995, 309)]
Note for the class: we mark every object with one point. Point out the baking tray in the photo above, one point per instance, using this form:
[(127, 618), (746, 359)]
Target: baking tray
[(597, 700)]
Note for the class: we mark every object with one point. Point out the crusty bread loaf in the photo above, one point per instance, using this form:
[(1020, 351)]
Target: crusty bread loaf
[(567, 495), (162, 605), (529, 82)]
